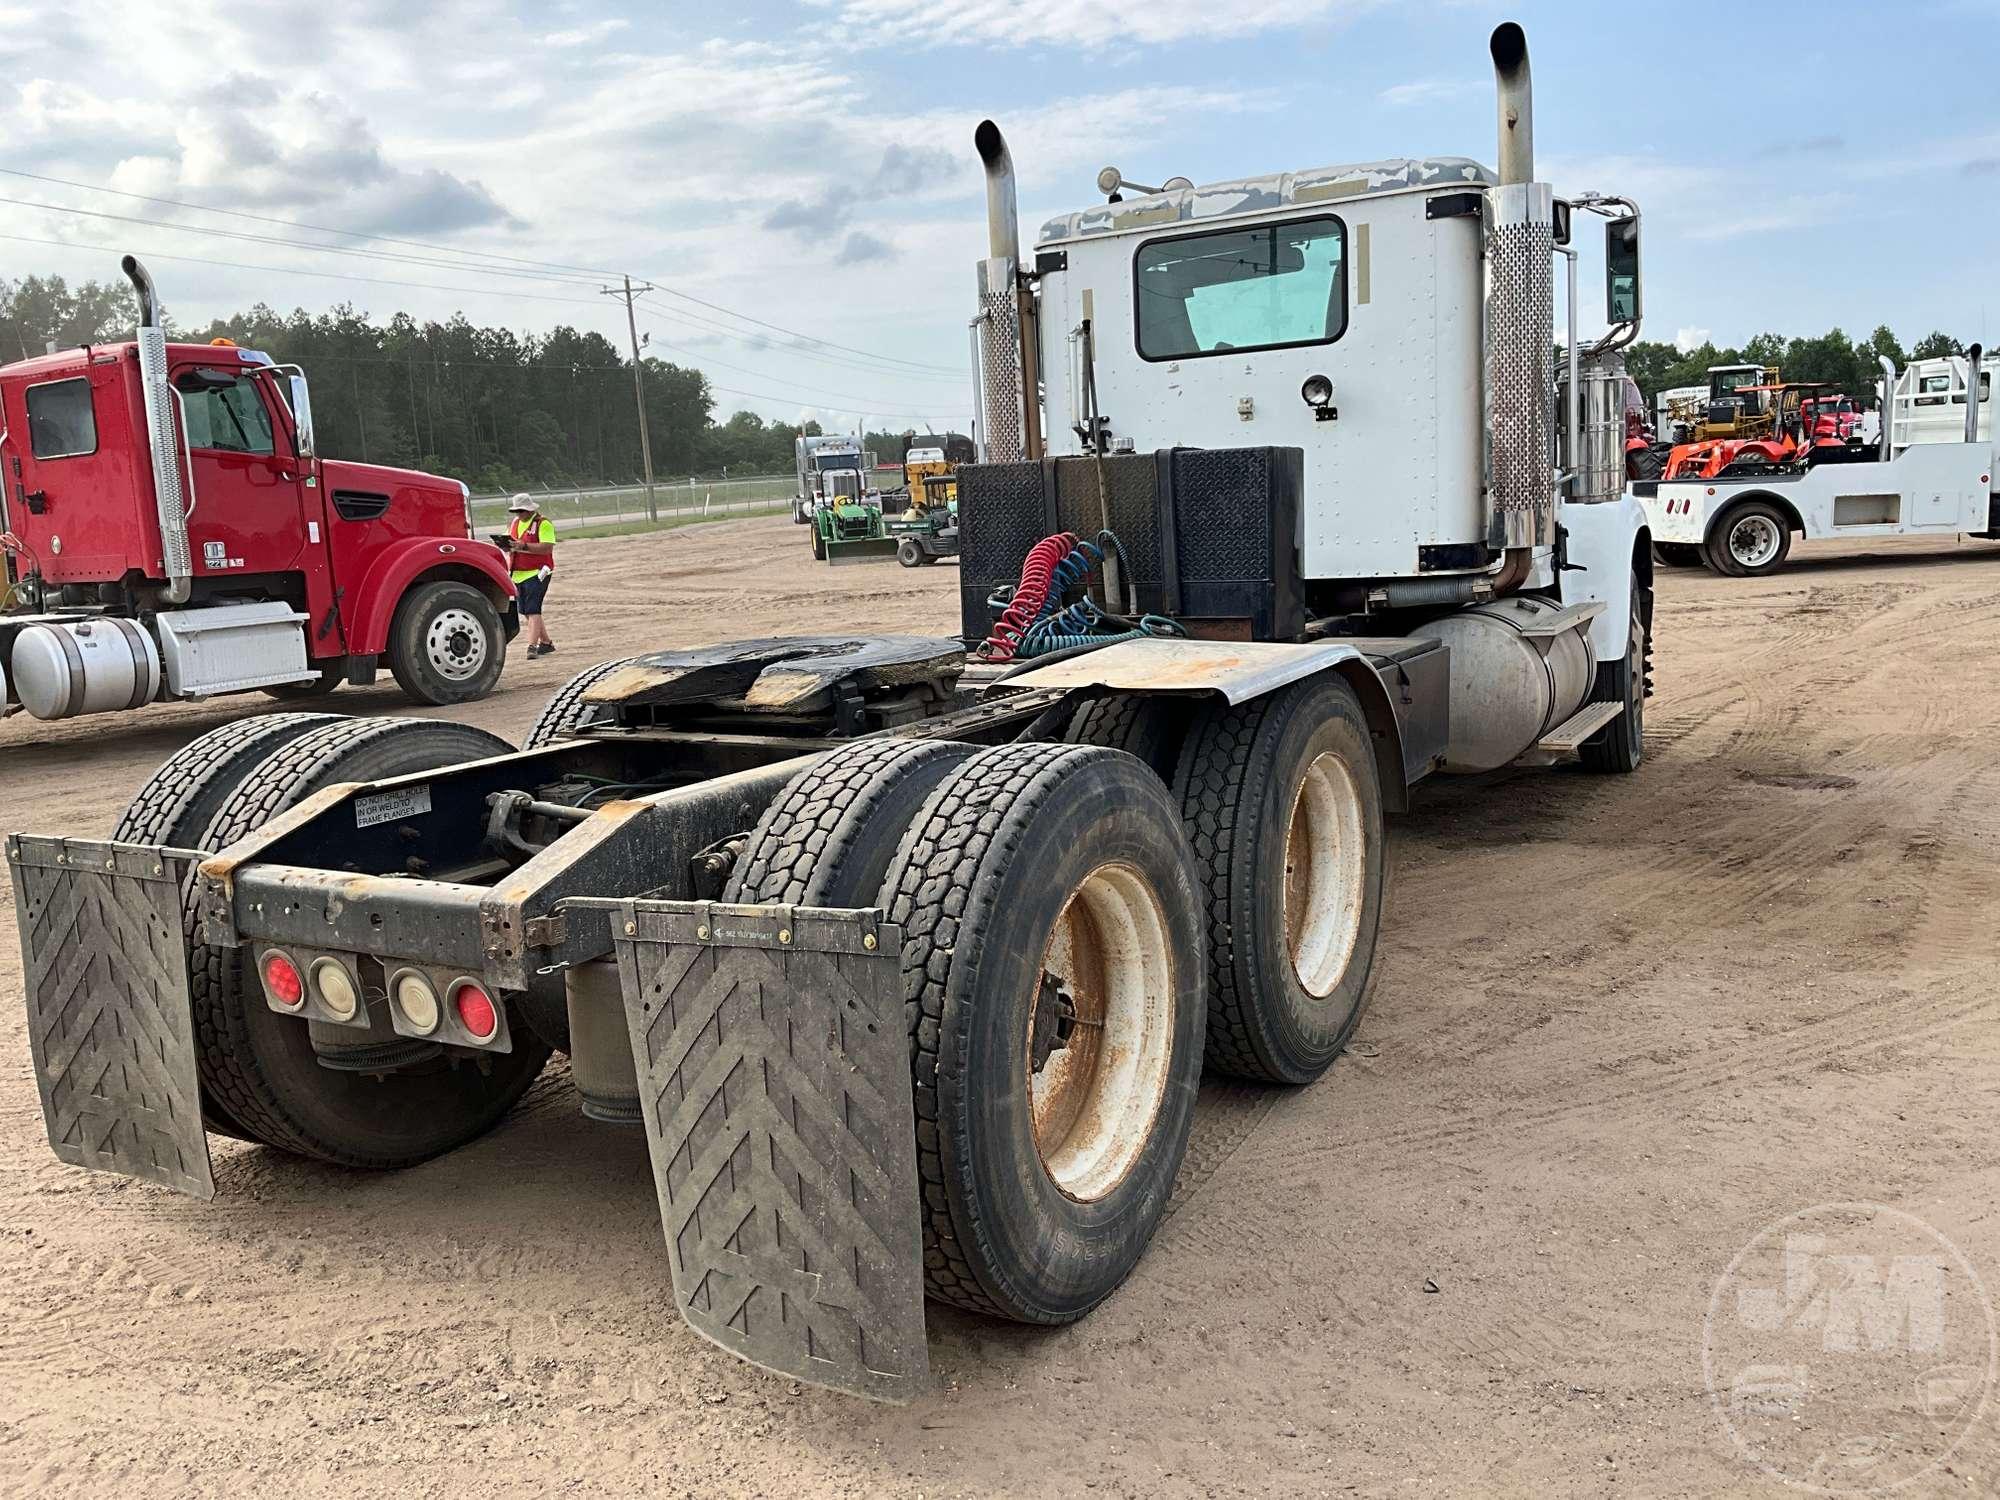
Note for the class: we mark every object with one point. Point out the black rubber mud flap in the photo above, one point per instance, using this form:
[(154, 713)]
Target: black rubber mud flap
[(774, 1075), (109, 1021)]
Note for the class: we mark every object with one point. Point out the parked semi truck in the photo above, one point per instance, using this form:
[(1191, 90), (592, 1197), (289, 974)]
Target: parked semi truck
[(905, 955), (814, 458), (1933, 471), (171, 533)]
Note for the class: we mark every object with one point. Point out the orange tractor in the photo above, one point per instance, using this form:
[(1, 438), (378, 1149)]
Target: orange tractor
[(1811, 423)]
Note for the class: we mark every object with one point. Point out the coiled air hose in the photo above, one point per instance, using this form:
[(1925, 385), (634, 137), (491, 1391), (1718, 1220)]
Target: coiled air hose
[(1037, 623)]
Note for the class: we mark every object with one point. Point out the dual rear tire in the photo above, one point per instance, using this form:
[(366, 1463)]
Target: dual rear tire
[(1079, 933)]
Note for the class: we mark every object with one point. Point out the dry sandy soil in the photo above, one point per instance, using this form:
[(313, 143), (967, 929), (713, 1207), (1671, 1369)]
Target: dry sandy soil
[(1620, 1025)]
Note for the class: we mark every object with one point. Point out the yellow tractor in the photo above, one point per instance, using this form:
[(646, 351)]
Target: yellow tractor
[(1739, 405)]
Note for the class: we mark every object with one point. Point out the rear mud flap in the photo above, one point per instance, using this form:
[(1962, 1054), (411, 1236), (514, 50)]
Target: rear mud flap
[(774, 1075), (109, 1024)]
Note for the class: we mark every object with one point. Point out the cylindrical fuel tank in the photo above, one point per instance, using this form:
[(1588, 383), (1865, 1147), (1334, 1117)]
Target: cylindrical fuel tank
[(1511, 682), (600, 1047), (70, 667)]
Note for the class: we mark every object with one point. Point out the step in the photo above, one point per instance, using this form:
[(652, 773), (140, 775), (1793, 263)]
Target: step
[(1579, 726)]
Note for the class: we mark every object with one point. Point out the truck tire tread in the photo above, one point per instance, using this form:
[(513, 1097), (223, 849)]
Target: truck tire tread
[(565, 709)]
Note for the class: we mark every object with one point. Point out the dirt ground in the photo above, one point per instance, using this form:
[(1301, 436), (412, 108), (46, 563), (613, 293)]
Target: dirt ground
[(1620, 1026)]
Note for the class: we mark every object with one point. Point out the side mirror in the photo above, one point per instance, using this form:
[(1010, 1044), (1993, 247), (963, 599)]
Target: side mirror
[(1559, 225), (1621, 270), (302, 417)]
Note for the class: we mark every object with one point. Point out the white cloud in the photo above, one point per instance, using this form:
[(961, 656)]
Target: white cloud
[(1687, 340), (1088, 23), (585, 36), (1430, 91)]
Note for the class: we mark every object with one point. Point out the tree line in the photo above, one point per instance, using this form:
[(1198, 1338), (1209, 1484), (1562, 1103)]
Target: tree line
[(1847, 365), (498, 409)]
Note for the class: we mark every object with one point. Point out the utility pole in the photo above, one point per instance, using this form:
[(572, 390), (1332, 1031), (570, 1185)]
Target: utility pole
[(638, 385)]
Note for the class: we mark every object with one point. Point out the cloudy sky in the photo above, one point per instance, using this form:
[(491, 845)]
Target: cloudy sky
[(809, 165)]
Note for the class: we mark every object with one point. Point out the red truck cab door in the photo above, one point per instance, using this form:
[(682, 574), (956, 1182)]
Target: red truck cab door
[(256, 508)]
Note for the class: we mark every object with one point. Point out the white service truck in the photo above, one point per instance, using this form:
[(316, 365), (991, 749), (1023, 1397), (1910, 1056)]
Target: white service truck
[(1931, 472), (906, 955)]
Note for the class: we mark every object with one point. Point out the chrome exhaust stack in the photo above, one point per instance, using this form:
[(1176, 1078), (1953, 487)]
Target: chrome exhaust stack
[(1973, 358), (162, 443), (1885, 437), (1520, 322), (1006, 373)]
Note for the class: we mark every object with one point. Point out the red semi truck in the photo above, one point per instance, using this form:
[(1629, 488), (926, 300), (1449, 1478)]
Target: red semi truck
[(171, 532)]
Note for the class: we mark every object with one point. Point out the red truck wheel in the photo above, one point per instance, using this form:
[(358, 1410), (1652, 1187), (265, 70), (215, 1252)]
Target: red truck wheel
[(445, 644)]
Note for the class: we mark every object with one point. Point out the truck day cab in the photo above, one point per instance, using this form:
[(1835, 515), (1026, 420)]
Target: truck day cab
[(906, 954), (172, 533)]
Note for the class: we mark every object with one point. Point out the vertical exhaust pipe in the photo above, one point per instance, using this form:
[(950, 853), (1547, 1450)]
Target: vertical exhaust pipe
[(177, 562), (1885, 445), (1520, 325), (1515, 89), (1009, 341), (1972, 361)]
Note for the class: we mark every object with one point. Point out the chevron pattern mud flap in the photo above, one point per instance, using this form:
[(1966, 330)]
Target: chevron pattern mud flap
[(774, 1074), (109, 1022)]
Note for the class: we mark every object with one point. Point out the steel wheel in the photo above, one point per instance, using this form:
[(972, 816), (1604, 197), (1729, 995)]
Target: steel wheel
[(455, 645), (1325, 865), (1754, 541), (1101, 1032)]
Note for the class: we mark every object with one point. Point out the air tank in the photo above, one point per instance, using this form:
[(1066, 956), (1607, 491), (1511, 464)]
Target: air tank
[(1513, 679), (69, 667)]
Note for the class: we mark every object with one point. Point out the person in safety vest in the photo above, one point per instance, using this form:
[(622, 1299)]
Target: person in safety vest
[(532, 548)]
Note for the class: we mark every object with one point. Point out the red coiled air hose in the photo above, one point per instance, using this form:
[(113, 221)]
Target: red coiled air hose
[(1026, 606)]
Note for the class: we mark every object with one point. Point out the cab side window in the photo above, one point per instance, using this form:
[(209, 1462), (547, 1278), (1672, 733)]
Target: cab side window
[(61, 422), (226, 417)]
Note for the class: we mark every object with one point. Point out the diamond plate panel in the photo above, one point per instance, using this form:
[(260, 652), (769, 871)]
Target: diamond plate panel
[(1520, 375), (774, 1077), (109, 1024)]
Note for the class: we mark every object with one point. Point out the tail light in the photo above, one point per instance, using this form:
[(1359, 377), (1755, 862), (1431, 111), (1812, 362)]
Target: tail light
[(282, 981), (475, 1010), (335, 989), (416, 1002)]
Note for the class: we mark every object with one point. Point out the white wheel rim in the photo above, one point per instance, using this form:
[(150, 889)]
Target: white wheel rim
[(1104, 1011), (455, 644), (1326, 864), (1753, 541)]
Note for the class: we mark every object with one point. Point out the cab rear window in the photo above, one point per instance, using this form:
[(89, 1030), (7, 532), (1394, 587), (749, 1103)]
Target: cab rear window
[(61, 420), (1275, 286)]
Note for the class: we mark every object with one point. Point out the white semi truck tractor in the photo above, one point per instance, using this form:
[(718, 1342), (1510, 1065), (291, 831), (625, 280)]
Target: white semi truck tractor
[(906, 954)]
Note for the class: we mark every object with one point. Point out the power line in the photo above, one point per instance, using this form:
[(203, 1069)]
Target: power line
[(571, 274), (357, 234), (707, 325)]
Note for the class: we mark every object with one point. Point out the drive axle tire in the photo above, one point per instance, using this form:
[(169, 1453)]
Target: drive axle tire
[(446, 644), (1677, 554), (181, 798), (1150, 727), (1283, 806), (1052, 968), (1619, 748), (331, 676), (566, 714), (261, 1065), (1749, 541), (829, 837)]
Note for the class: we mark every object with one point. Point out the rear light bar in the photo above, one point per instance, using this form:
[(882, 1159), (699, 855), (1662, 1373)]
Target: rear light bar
[(434, 1005)]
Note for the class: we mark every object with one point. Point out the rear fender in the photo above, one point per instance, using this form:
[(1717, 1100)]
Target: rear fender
[(369, 608)]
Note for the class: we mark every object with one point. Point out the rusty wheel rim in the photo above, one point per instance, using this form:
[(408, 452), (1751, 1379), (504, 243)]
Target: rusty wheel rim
[(1326, 863), (1100, 1032)]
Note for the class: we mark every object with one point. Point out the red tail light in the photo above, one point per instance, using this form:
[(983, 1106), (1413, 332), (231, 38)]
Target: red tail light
[(475, 1011), (283, 982)]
